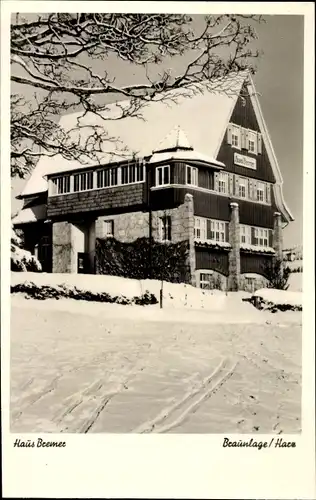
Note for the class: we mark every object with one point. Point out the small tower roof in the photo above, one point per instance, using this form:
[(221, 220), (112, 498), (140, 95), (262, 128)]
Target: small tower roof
[(175, 140)]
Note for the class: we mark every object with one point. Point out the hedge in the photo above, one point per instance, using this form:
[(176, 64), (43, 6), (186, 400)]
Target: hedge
[(143, 259)]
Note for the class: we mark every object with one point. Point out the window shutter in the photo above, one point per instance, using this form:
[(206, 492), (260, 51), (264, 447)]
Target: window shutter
[(259, 144), (270, 237), (252, 235), (244, 134), (227, 232), (229, 134), (247, 140), (236, 185), (254, 190), (268, 193), (231, 184), (251, 195), (112, 227), (216, 176)]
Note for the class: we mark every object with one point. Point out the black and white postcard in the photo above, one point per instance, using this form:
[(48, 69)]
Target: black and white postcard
[(157, 206)]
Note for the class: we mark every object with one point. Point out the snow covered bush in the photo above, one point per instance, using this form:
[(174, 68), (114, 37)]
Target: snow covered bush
[(276, 300), (43, 292), (22, 260), (277, 274)]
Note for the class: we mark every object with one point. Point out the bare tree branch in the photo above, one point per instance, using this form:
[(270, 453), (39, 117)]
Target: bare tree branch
[(66, 58)]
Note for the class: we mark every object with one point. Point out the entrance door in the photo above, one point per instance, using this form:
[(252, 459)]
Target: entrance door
[(83, 263)]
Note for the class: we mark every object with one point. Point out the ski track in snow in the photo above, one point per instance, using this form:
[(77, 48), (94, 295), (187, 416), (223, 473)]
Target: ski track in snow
[(81, 374), (175, 415)]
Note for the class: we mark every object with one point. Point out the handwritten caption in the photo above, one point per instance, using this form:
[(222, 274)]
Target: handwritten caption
[(252, 443), (38, 443)]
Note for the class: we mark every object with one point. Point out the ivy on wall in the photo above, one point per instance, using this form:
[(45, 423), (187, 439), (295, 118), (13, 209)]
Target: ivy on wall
[(143, 258)]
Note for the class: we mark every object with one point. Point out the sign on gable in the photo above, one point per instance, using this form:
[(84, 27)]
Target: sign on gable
[(245, 161)]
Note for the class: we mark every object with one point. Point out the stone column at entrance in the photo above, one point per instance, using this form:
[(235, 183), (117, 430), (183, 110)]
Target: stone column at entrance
[(234, 254), (63, 255)]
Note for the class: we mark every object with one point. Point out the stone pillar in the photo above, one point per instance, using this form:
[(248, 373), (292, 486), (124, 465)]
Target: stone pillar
[(63, 254), (189, 216), (234, 254), (277, 241)]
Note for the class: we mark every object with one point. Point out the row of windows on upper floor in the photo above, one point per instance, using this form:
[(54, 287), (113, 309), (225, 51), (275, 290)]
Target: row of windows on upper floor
[(224, 183), (102, 178), (206, 230), (243, 138), (216, 231)]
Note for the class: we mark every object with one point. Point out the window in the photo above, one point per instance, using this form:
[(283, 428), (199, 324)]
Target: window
[(243, 187), (206, 280), (260, 191), (217, 232), (61, 184), (209, 229), (236, 136), (83, 181), (192, 176), (109, 228), (261, 237), (165, 228), (107, 177), (140, 170), (250, 283), (163, 175), (252, 142), (200, 228), (245, 234), (222, 182)]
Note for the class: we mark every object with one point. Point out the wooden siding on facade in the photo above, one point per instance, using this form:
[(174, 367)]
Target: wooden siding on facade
[(116, 198), (244, 115), (214, 206), (179, 173), (215, 260), (254, 263), (206, 178), (255, 214)]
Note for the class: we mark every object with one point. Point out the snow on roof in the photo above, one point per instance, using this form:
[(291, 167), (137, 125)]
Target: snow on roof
[(28, 215), (204, 113), (175, 139), (185, 155)]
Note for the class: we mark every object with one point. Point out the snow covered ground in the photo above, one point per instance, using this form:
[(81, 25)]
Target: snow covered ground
[(206, 363)]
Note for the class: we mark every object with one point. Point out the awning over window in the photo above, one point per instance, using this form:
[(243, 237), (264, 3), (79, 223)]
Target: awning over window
[(32, 214)]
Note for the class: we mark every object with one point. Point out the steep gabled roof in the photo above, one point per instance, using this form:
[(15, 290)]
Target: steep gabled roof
[(203, 113), (278, 187)]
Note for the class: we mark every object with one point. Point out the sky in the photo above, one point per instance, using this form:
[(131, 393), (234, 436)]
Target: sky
[(279, 82)]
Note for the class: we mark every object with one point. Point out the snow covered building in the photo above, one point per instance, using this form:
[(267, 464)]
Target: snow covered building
[(200, 168)]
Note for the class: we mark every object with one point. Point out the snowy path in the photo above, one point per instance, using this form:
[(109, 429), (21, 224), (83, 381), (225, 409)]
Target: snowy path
[(115, 370)]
